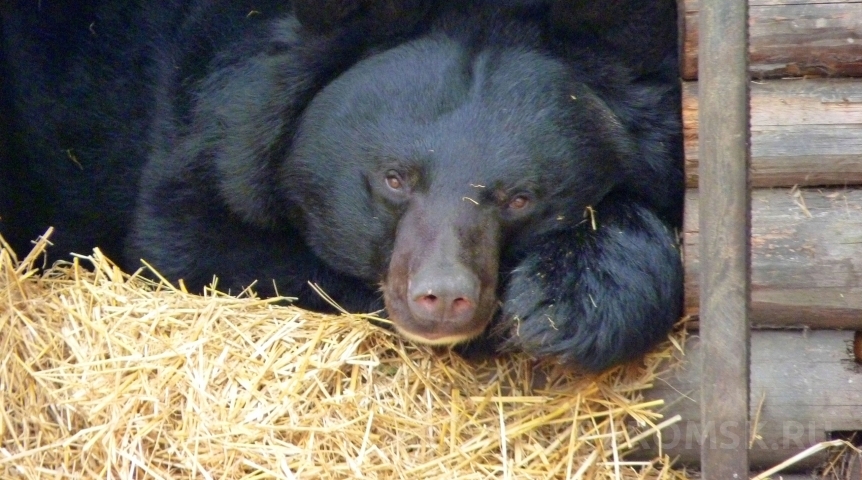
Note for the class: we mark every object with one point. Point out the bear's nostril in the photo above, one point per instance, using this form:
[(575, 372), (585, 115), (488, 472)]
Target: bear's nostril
[(428, 302), (443, 308), (462, 308)]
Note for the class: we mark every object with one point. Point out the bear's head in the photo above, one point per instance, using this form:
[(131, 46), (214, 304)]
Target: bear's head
[(425, 166)]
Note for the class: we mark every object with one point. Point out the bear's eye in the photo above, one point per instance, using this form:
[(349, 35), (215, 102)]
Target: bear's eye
[(393, 180), (519, 202)]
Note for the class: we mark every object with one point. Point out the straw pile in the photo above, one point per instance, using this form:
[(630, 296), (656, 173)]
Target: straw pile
[(106, 375)]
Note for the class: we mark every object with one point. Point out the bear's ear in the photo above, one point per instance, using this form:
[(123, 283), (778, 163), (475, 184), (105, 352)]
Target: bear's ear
[(375, 18), (641, 32), (590, 14)]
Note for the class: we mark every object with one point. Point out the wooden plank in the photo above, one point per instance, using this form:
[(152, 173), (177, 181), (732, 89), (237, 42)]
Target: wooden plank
[(806, 257), (803, 385), (803, 132), (790, 38), (724, 234)]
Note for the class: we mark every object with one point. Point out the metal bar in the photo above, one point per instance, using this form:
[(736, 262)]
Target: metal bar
[(725, 227)]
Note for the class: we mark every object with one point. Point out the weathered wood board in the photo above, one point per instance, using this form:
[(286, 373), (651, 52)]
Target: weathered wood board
[(806, 257), (724, 234), (789, 38), (803, 386), (803, 132)]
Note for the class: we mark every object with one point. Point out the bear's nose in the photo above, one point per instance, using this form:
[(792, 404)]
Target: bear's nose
[(444, 294)]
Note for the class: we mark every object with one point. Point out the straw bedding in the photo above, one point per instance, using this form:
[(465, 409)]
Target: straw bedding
[(106, 375)]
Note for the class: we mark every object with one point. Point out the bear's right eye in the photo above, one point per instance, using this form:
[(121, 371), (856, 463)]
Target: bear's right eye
[(394, 181)]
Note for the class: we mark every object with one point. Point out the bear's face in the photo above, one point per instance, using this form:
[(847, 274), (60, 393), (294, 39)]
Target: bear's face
[(457, 156)]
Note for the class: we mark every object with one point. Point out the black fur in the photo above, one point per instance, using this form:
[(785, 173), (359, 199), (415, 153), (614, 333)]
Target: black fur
[(526, 151)]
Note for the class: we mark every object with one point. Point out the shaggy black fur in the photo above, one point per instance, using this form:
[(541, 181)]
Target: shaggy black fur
[(503, 171)]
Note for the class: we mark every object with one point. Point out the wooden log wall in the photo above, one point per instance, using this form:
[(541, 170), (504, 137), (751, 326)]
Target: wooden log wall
[(790, 38), (803, 131), (804, 386), (806, 161), (806, 257), (806, 233)]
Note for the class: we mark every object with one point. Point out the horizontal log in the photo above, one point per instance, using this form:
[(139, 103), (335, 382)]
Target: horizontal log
[(790, 38), (806, 257), (803, 132), (803, 386)]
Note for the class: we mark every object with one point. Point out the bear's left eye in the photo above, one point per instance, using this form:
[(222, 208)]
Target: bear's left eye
[(394, 181), (519, 202)]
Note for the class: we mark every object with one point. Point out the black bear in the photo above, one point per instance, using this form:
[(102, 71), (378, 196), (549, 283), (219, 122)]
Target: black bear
[(506, 175)]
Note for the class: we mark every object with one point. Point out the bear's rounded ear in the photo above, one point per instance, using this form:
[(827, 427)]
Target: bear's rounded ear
[(577, 15), (375, 18), (589, 14), (641, 32), (605, 16)]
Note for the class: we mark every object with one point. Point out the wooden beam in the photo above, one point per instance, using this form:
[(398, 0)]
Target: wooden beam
[(790, 38), (803, 132), (724, 234), (803, 386), (806, 257)]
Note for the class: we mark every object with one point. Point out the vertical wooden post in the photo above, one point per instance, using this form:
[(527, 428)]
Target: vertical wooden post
[(725, 233)]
